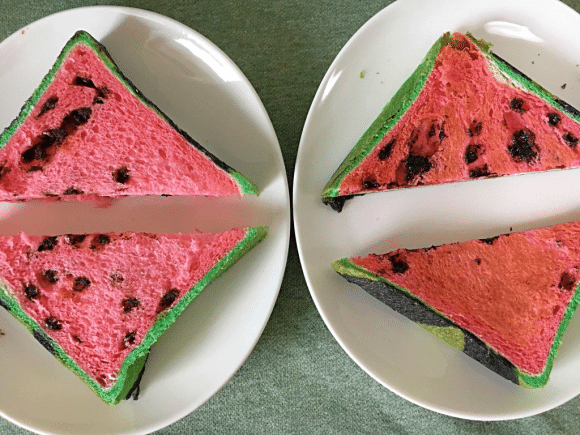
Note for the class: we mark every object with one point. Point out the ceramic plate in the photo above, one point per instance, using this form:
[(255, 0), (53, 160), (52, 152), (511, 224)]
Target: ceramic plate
[(538, 37), (201, 89)]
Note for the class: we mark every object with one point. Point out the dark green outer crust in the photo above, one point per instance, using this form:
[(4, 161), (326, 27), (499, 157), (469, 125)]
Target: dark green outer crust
[(406, 96), (81, 36), (132, 369), (405, 303)]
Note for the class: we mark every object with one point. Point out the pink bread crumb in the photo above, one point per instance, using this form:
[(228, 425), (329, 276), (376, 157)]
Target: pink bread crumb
[(511, 291), (98, 295), (119, 147), (466, 124)]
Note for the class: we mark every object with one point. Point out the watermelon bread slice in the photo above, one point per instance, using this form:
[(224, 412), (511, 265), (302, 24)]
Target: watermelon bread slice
[(98, 302), (505, 301), (463, 114), (87, 132)]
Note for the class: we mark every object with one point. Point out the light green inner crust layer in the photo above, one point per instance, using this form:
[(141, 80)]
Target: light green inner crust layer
[(347, 267), (449, 334), (408, 93), (135, 360), (244, 184)]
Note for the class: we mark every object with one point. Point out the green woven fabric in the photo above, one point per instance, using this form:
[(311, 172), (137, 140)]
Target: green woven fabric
[(298, 379)]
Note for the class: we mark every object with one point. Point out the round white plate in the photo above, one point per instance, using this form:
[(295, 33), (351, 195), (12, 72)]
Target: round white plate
[(540, 38), (202, 90)]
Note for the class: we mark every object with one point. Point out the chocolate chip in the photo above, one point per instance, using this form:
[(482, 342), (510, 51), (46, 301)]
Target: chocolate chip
[(73, 191), (31, 291), (474, 128), (48, 244), (121, 175), (48, 105), (431, 132), (50, 275), (102, 95), (53, 323), (129, 304), (75, 239), (567, 281), (100, 240), (33, 153), (415, 166), (129, 339), (81, 283), (52, 136), (523, 146), (75, 118), (43, 146), (442, 134), (103, 239), (103, 92), (398, 265), (84, 81), (489, 240), (168, 299), (517, 105), (385, 151), (482, 171), (472, 153), (553, 119), (570, 139), (370, 184)]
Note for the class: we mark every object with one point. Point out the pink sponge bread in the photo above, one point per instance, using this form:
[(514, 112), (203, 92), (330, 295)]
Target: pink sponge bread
[(98, 302), (505, 301), (87, 131), (463, 114)]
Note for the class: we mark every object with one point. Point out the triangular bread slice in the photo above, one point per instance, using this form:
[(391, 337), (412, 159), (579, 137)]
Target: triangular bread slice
[(88, 132), (98, 302), (504, 301), (463, 114)]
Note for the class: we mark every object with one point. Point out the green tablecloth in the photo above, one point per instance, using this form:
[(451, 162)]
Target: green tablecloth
[(297, 379)]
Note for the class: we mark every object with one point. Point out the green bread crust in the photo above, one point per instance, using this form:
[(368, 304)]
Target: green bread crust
[(133, 364), (408, 93), (451, 336), (245, 186), (388, 118)]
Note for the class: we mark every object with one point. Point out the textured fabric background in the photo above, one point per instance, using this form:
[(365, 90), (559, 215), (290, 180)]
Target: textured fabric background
[(297, 379)]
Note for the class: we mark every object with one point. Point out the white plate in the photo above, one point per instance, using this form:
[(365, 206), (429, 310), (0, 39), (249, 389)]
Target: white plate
[(202, 90), (539, 37)]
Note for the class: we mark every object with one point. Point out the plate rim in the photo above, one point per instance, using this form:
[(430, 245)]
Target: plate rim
[(379, 16), (284, 220)]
